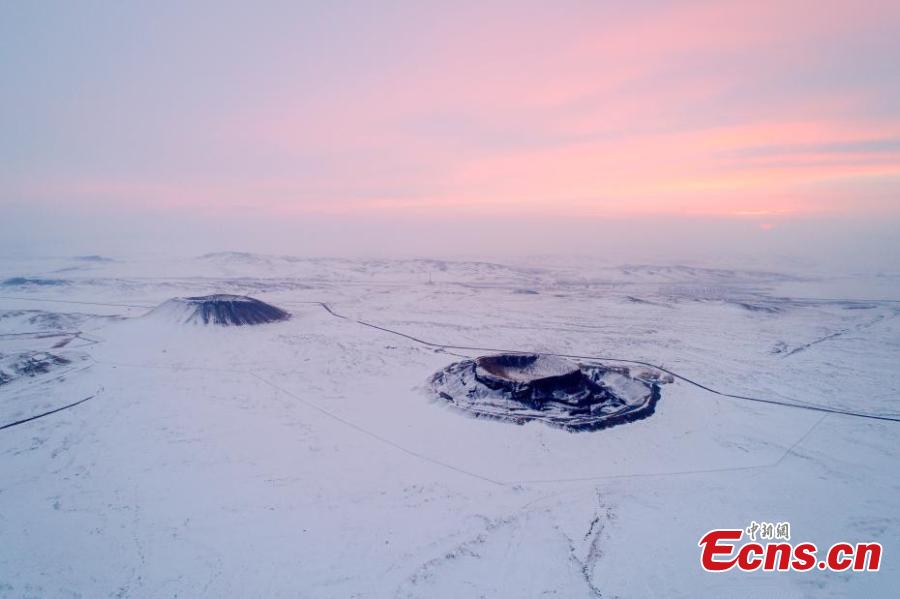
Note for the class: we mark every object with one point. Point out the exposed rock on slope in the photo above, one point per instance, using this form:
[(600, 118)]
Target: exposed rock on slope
[(32, 282), (221, 309), (523, 387), (28, 364)]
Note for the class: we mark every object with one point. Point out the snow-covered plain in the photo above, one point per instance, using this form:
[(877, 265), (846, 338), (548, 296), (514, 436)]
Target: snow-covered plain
[(307, 458)]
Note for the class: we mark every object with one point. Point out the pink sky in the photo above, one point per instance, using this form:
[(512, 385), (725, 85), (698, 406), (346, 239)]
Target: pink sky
[(766, 110)]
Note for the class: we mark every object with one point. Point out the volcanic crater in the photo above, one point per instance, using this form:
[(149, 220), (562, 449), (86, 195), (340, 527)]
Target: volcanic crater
[(220, 309), (520, 387)]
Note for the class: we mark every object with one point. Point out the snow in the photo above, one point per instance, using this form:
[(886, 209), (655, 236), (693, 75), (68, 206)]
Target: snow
[(524, 369), (309, 458)]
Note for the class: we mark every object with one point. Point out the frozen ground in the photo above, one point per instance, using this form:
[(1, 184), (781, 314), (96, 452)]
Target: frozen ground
[(306, 457)]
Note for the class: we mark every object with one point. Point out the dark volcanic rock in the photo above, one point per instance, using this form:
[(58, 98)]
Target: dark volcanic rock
[(94, 258), (27, 281), (530, 378), (28, 364), (221, 309), (523, 387)]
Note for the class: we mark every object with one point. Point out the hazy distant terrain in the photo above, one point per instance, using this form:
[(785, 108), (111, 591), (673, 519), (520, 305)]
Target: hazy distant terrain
[(309, 457)]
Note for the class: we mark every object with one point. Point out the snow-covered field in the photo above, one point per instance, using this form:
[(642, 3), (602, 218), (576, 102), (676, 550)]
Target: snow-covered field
[(307, 458)]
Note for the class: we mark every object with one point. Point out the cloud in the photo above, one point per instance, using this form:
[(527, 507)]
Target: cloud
[(582, 110)]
